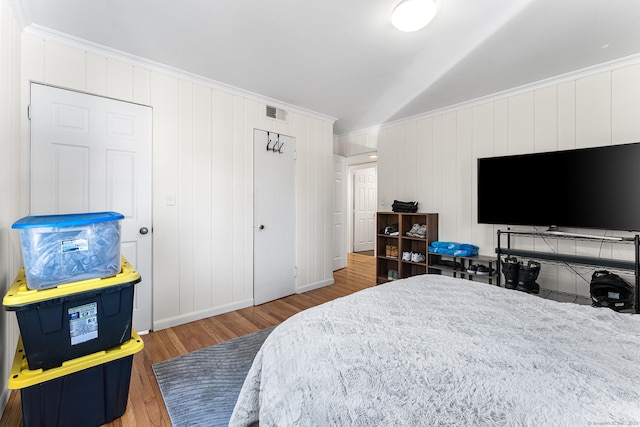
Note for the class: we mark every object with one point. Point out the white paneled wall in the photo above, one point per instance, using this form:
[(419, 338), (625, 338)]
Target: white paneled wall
[(432, 158), (202, 158), (625, 90), (12, 202)]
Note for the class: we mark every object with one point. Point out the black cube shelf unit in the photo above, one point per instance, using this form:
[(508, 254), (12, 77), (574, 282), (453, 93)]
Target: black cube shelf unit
[(617, 264)]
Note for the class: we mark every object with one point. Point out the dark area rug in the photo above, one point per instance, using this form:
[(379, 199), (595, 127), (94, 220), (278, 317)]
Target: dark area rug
[(201, 388)]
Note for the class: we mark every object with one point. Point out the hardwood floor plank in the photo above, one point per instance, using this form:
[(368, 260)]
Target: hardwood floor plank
[(145, 405)]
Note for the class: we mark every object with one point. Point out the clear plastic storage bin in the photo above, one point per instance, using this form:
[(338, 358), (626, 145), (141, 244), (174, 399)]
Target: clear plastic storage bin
[(66, 248)]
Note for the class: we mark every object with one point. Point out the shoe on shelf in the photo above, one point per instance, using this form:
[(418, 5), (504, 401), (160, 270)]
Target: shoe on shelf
[(393, 251), (391, 229), (483, 270), (395, 274), (472, 269), (417, 257), (422, 232), (392, 274), (510, 269), (530, 287), (413, 230), (527, 275), (406, 256)]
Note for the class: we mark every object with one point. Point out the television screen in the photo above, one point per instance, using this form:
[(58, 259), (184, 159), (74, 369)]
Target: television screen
[(584, 188)]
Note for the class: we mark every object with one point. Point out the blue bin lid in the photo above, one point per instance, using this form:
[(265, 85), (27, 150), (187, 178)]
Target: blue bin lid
[(66, 220)]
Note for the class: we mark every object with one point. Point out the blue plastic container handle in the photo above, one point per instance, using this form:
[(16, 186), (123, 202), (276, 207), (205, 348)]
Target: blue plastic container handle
[(66, 220)]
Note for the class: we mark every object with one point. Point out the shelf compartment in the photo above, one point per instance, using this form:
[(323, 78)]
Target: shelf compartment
[(571, 259), (408, 269), (383, 265), (461, 264)]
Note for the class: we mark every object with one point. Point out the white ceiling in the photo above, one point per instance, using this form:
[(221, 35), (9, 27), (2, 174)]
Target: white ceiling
[(342, 58)]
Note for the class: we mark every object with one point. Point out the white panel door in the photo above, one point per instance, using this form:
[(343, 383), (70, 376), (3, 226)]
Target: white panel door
[(339, 212), (273, 216), (364, 209), (92, 154)]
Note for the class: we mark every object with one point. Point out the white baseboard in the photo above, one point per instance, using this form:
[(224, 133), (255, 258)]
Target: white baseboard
[(199, 315), (313, 286), (191, 317)]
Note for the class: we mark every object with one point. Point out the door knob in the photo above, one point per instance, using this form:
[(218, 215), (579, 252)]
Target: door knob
[(144, 230), (261, 227)]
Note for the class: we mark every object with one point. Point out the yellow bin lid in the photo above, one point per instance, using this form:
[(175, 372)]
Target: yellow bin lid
[(21, 377), (20, 295)]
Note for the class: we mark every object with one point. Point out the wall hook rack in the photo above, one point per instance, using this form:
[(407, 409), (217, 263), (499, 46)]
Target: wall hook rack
[(277, 144)]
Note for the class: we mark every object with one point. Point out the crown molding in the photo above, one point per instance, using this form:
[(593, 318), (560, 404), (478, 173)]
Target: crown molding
[(556, 80), (98, 49)]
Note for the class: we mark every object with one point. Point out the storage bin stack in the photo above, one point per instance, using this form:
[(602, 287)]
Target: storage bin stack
[(74, 305)]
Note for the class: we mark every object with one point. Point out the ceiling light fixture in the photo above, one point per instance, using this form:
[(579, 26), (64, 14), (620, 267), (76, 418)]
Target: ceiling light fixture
[(412, 15)]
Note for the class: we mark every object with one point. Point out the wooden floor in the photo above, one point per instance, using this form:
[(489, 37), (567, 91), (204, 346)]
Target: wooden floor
[(146, 407)]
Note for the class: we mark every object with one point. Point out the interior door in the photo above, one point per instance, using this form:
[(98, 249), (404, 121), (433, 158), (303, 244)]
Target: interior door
[(273, 216), (364, 209), (340, 234), (92, 154)]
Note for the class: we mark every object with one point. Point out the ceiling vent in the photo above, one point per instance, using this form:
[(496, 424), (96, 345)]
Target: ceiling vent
[(276, 113)]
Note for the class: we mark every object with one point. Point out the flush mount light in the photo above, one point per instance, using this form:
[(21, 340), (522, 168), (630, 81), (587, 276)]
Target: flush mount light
[(412, 15)]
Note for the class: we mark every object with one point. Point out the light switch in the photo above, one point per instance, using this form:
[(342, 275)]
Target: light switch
[(171, 199)]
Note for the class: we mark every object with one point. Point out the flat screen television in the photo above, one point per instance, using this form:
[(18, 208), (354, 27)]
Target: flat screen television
[(597, 188)]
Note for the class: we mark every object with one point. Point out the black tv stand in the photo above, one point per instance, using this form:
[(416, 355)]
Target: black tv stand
[(558, 233), (634, 266)]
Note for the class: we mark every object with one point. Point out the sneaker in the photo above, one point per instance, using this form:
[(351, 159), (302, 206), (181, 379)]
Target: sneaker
[(473, 269), (387, 251), (406, 256), (422, 232), (413, 230), (483, 270), (394, 251), (452, 265), (417, 257), (395, 274), (391, 229), (390, 274)]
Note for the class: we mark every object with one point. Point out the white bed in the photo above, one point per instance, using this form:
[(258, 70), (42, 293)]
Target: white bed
[(434, 350)]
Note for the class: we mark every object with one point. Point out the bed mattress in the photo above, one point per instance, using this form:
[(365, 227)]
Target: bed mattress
[(436, 350)]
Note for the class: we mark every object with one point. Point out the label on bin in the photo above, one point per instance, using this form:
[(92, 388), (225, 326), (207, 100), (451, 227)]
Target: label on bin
[(75, 245), (83, 323)]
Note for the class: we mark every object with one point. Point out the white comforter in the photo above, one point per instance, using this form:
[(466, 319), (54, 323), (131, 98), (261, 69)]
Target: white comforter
[(433, 350)]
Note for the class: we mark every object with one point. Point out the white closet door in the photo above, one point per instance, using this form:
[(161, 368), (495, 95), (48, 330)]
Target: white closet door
[(273, 216), (91, 154)]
